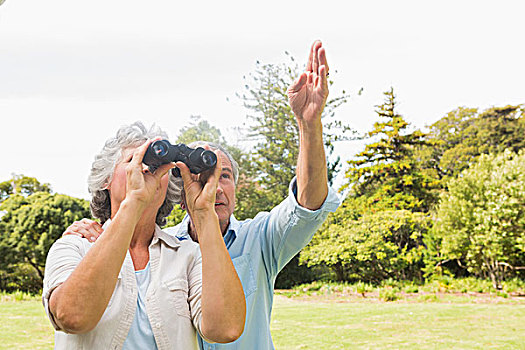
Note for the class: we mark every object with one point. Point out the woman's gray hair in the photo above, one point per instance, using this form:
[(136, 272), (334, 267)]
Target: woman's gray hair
[(102, 171), (214, 147)]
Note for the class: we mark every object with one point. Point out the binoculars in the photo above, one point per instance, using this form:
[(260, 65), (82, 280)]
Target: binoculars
[(162, 152)]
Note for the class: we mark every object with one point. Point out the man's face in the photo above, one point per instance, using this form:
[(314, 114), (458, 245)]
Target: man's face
[(225, 196), (225, 199)]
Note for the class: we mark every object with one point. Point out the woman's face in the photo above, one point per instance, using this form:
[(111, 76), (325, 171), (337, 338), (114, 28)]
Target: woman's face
[(117, 186)]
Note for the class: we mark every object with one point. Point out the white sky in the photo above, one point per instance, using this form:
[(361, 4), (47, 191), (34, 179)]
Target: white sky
[(72, 72)]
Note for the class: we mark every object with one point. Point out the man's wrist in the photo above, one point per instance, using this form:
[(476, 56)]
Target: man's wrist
[(207, 226), (311, 126), (202, 216)]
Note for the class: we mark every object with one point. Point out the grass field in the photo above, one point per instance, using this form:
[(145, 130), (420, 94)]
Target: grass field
[(314, 323), (398, 325)]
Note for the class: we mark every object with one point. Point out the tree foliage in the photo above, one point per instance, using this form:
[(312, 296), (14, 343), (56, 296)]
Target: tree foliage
[(31, 224), (274, 130), (481, 219), (394, 185), (23, 185), (456, 140), (391, 224), (201, 129), (271, 163), (387, 173), (198, 130), (370, 247)]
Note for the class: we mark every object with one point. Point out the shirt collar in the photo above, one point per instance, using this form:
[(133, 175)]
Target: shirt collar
[(168, 239), (231, 233)]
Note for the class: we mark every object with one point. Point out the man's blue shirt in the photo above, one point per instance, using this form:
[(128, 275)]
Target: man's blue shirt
[(260, 248)]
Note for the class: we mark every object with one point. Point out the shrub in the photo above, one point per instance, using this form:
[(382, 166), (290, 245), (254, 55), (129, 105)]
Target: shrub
[(388, 294)]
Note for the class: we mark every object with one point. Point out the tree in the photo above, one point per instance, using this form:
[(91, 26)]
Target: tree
[(23, 185), (274, 129), (198, 130), (274, 135), (481, 221), (201, 129), (370, 247), (387, 173), (457, 139), (30, 225)]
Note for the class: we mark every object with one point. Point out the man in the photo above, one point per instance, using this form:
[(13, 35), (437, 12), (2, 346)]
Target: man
[(262, 246)]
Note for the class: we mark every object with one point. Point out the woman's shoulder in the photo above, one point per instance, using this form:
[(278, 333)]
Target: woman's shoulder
[(72, 242)]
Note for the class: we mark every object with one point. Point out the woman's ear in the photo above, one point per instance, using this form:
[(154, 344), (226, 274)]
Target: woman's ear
[(107, 184)]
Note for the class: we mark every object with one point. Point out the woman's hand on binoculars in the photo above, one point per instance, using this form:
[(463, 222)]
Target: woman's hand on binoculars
[(142, 185)]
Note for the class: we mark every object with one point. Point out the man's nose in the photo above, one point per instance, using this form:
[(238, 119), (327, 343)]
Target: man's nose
[(219, 190)]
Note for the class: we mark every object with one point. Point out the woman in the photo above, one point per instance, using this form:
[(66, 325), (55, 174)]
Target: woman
[(138, 287)]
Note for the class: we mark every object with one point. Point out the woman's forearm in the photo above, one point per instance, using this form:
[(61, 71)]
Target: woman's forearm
[(78, 304), (223, 303)]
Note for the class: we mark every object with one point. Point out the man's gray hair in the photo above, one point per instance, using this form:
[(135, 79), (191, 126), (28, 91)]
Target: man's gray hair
[(102, 171), (214, 147)]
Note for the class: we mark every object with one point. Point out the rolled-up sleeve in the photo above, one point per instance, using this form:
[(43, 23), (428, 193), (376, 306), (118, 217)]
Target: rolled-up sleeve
[(63, 257), (195, 291), (289, 227)]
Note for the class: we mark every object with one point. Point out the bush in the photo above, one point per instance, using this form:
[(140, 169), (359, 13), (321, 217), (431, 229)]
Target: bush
[(388, 294), (294, 274), (428, 297), (18, 295), (390, 290), (20, 277), (362, 288), (480, 219), (411, 288), (514, 285)]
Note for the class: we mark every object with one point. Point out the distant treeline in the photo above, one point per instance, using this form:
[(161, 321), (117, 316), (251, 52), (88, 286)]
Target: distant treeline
[(449, 201)]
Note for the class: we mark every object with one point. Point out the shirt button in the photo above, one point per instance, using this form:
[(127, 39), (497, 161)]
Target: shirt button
[(157, 325)]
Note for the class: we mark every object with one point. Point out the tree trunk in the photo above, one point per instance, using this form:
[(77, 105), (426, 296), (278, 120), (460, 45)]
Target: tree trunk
[(493, 269), (339, 271), (37, 268)]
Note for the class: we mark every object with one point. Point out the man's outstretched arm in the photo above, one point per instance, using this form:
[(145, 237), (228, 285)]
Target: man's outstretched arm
[(307, 97)]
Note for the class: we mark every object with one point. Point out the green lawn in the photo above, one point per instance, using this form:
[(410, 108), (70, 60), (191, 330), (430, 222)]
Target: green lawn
[(24, 325), (397, 325), (313, 324)]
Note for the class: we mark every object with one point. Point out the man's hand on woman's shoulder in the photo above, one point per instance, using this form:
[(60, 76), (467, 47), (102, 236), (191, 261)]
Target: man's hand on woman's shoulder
[(85, 228)]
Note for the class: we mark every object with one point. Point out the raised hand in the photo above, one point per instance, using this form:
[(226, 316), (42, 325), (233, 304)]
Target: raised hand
[(308, 94)]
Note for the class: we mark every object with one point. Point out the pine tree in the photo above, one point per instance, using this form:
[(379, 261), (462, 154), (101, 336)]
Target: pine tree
[(387, 173)]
